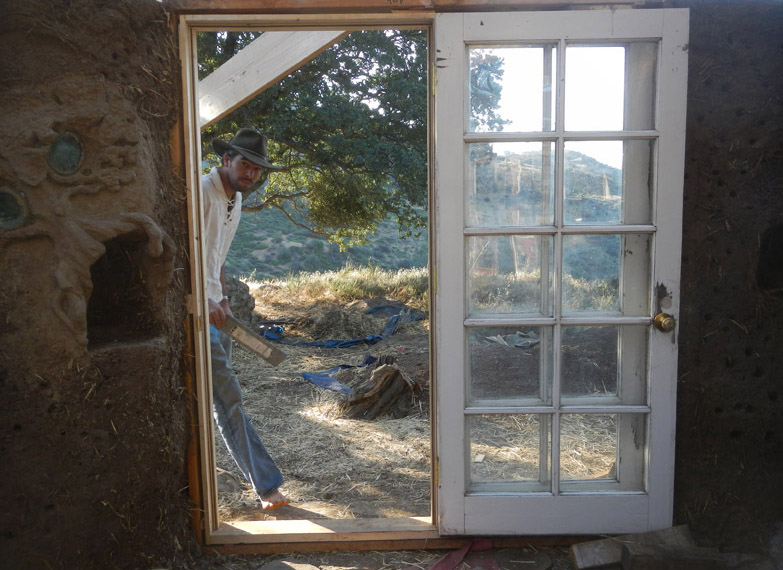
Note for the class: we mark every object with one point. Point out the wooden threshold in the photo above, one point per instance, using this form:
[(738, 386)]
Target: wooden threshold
[(324, 530), (326, 535)]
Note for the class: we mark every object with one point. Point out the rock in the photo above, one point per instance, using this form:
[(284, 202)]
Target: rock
[(240, 300)]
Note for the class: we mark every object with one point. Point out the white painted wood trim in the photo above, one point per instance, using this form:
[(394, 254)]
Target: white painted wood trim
[(449, 256), (672, 93), (572, 25), (566, 230), (521, 515)]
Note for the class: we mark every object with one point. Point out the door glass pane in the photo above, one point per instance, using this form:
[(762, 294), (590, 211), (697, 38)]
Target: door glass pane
[(606, 273), (511, 89), (510, 365), (510, 449), (592, 182), (607, 182), (640, 85), (510, 184), (509, 274), (605, 363), (610, 88), (590, 445), (594, 88)]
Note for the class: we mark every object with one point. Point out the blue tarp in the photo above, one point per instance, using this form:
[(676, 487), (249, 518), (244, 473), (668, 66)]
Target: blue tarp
[(327, 379), (401, 315)]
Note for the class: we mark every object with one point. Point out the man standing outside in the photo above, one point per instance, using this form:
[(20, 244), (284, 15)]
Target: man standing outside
[(243, 160)]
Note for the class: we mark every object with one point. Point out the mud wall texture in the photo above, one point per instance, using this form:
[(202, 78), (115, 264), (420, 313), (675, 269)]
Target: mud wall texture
[(93, 417), (730, 427)]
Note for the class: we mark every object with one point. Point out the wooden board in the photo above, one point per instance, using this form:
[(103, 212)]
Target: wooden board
[(608, 551), (251, 70), (249, 339), (315, 6)]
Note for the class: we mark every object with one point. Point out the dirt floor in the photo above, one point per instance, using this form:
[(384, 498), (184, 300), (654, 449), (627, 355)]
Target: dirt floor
[(334, 467), (528, 558)]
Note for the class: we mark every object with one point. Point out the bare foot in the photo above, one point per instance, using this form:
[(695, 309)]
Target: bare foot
[(274, 501)]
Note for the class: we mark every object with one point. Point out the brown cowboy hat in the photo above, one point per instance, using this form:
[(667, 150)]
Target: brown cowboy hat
[(248, 143)]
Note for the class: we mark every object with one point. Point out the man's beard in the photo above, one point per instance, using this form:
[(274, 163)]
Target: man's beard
[(237, 188)]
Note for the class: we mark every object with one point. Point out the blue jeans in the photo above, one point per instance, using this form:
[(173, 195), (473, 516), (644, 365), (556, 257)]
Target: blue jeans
[(251, 456)]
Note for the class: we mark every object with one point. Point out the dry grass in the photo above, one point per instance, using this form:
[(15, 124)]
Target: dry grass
[(334, 467), (505, 448), (347, 285)]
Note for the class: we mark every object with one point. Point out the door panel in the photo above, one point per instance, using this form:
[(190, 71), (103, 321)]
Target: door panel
[(558, 173)]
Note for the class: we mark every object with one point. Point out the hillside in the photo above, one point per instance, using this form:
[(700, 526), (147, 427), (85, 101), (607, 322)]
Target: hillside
[(267, 245)]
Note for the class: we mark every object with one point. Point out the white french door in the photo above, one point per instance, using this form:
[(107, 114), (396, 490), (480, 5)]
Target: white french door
[(559, 141)]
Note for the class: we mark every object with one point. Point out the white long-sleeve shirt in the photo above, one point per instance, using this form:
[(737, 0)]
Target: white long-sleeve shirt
[(220, 226)]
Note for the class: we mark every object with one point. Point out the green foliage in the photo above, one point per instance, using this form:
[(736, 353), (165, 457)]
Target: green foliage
[(590, 295), (486, 73), (350, 126), (592, 257)]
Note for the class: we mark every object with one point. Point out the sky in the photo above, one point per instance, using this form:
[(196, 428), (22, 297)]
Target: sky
[(594, 94)]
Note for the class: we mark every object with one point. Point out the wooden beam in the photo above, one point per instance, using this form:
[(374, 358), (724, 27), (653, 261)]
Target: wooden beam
[(264, 61), (363, 6), (390, 542), (325, 530), (608, 551)]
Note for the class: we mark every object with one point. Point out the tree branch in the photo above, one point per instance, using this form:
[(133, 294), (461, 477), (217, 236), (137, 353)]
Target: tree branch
[(297, 223)]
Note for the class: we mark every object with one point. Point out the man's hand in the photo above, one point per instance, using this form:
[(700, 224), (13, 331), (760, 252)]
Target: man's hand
[(218, 312)]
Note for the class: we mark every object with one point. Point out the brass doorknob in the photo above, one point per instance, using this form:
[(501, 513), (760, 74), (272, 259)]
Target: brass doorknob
[(664, 322)]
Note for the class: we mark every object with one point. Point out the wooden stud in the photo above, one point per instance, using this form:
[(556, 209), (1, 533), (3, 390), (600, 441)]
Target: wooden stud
[(251, 71)]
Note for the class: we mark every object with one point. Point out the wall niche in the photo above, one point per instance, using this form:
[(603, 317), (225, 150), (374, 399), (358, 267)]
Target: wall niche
[(121, 306)]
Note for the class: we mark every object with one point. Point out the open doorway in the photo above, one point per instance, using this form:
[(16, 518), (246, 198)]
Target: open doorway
[(330, 260), (470, 498)]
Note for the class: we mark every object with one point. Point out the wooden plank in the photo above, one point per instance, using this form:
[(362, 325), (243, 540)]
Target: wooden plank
[(607, 551), (246, 336), (440, 543), (670, 557), (363, 6), (200, 454), (288, 21), (325, 530), (267, 59)]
